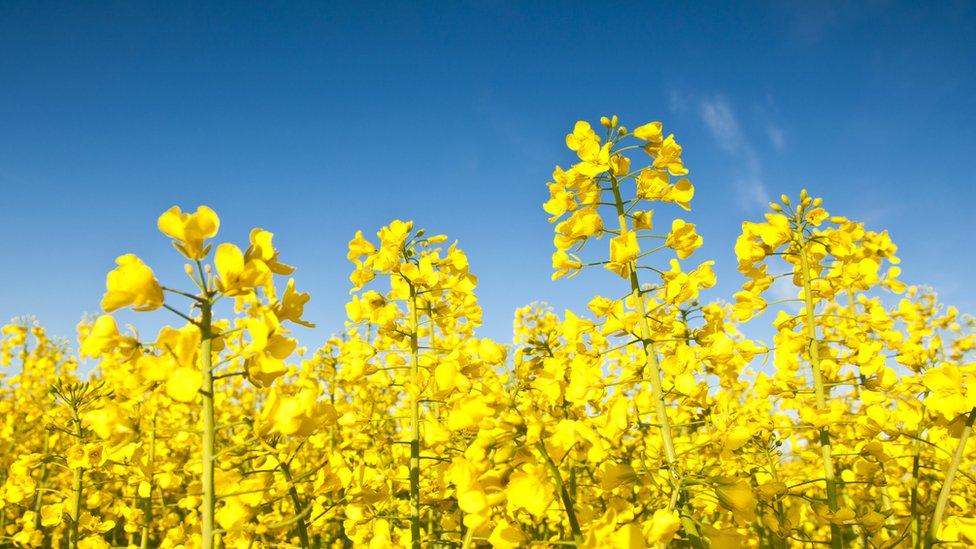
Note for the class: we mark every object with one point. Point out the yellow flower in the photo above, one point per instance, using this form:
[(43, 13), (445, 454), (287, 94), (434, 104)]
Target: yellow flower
[(471, 499), (300, 414), (565, 264), (560, 201), (775, 231), (681, 194), (680, 287), (85, 456), (267, 352), (238, 277), (663, 526), (959, 528), (106, 421), (359, 246), (953, 390), (103, 337), (817, 216), (578, 227), (595, 160), (628, 536), (615, 475), (132, 284), (189, 231), (183, 384), (292, 305), (394, 235), (669, 157), (644, 220), (529, 488), (96, 541), (506, 535), (421, 274), (233, 514), (683, 239), (619, 165), (623, 252), (726, 538), (624, 247), (361, 276), (747, 250), (651, 131), (747, 304), (51, 514), (262, 249), (737, 497), (653, 184), (582, 136)]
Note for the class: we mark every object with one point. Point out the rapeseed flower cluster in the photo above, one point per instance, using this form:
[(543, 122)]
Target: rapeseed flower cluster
[(646, 420)]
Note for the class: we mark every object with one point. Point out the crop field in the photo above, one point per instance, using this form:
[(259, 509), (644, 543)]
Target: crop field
[(649, 419)]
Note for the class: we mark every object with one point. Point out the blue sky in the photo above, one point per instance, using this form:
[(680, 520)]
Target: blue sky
[(314, 120)]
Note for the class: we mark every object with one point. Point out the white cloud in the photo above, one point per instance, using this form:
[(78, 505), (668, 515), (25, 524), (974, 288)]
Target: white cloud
[(776, 137), (722, 123), (751, 193), (677, 102)]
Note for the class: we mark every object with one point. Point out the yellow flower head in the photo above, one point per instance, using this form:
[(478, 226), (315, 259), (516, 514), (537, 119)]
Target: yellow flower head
[(237, 276), (103, 337), (651, 132), (189, 231), (262, 249), (683, 239), (132, 284)]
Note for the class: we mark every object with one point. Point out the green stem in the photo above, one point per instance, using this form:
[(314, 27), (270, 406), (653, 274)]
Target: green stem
[(916, 516), (41, 483), (468, 538), (563, 493), (654, 374), (299, 507), (943, 500), (414, 425), (780, 511), (76, 491), (836, 537), (208, 502)]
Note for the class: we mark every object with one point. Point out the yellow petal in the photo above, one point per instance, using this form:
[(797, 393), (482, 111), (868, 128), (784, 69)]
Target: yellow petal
[(229, 261), (183, 384)]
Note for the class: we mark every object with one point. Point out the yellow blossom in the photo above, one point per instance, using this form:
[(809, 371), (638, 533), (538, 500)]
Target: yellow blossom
[(132, 284), (189, 231)]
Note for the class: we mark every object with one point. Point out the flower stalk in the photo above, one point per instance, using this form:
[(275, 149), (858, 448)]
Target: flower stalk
[(836, 537), (414, 423), (653, 372), (957, 456), (208, 498)]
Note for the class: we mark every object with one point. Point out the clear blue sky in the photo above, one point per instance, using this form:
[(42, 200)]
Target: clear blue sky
[(315, 120)]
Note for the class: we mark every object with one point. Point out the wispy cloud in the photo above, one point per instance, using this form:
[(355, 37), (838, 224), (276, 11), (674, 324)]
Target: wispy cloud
[(776, 137), (722, 122), (767, 113), (677, 102)]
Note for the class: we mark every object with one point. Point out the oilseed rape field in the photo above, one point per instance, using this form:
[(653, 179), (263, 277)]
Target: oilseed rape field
[(647, 419)]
